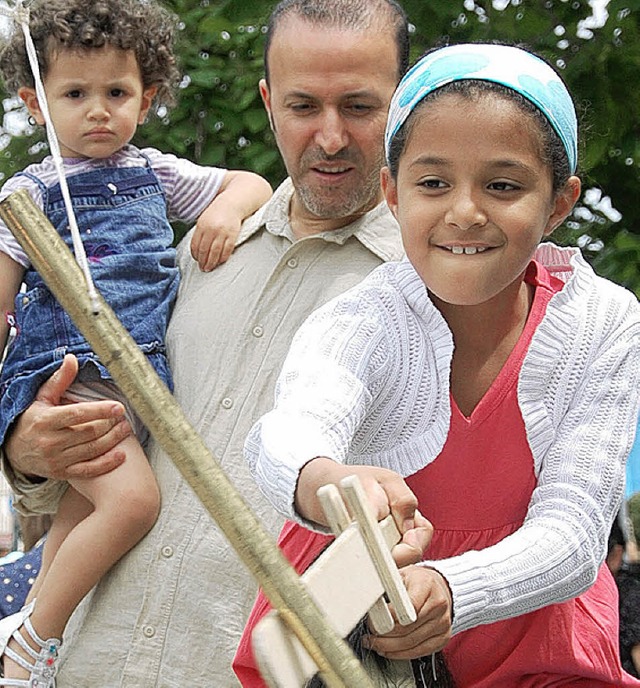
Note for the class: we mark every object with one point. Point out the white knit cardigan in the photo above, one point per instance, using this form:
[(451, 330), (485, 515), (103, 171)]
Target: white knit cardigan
[(367, 382)]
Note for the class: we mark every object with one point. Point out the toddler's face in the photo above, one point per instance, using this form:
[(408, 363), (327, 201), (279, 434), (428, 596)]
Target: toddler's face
[(96, 100)]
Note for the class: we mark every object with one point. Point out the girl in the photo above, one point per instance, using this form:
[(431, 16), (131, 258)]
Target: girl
[(497, 375), (104, 62)]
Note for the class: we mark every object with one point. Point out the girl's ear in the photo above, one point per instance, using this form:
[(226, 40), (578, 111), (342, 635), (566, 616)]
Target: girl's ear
[(563, 204), (28, 96), (389, 190), (148, 95)]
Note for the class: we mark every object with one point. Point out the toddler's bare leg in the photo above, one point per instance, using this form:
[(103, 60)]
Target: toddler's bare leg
[(99, 520)]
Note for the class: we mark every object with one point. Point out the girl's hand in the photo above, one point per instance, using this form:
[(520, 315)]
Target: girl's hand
[(431, 631), (387, 493)]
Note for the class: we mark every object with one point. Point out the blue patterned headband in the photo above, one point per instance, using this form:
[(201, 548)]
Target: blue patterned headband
[(512, 67)]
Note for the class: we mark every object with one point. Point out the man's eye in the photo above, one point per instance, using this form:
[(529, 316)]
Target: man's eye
[(360, 108)]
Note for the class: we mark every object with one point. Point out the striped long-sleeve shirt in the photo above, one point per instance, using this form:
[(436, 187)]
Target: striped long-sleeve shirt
[(189, 188)]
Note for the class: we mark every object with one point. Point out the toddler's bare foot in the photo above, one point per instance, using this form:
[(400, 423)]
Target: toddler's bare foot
[(11, 669)]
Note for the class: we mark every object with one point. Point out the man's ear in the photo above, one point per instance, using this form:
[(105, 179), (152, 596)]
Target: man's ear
[(389, 190), (265, 94), (28, 96), (148, 95), (563, 204)]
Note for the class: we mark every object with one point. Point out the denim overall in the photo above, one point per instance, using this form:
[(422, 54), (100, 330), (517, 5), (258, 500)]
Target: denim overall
[(122, 217)]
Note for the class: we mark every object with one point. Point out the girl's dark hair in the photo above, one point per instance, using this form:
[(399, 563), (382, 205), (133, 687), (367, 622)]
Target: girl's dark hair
[(143, 26), (552, 150)]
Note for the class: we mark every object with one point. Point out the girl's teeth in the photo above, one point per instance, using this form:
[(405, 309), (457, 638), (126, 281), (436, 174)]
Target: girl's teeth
[(468, 250)]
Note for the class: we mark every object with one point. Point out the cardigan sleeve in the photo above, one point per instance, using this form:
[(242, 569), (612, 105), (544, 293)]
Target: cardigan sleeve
[(324, 390), (556, 553)]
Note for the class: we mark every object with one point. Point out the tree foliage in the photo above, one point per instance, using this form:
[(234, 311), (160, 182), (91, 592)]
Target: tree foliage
[(220, 119)]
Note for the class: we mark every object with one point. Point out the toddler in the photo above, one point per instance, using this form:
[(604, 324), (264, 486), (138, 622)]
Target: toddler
[(104, 65)]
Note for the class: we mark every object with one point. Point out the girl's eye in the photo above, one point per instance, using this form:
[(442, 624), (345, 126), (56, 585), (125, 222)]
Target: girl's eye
[(503, 186), (433, 184)]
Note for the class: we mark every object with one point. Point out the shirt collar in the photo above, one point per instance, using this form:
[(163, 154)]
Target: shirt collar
[(377, 230)]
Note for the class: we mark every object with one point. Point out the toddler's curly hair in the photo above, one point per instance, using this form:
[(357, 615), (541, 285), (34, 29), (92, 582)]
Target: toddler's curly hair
[(143, 26)]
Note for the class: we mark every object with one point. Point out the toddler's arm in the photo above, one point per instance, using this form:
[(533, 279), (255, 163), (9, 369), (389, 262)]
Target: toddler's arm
[(12, 273), (241, 194)]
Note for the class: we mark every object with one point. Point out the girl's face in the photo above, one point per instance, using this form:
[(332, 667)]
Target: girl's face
[(96, 100), (473, 196)]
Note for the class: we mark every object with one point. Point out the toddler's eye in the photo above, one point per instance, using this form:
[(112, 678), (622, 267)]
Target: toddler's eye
[(75, 93), (116, 92)]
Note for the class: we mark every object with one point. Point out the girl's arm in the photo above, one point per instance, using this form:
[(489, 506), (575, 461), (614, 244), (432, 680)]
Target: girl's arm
[(10, 282), (563, 540), (635, 657), (240, 195)]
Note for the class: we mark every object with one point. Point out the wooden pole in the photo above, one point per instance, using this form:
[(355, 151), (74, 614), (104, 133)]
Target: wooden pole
[(164, 418)]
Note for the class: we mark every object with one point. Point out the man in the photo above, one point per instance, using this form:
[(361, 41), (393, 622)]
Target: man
[(171, 613)]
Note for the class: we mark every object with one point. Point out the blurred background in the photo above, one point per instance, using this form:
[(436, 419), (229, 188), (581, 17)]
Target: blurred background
[(219, 119)]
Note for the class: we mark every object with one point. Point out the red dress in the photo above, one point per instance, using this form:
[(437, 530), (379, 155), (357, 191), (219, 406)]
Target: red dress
[(475, 494)]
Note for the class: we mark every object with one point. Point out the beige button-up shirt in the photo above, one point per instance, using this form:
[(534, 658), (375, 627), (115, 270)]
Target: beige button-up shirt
[(172, 611)]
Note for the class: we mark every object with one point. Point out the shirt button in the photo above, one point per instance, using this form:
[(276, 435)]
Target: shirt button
[(148, 631), (25, 300), (167, 551), (227, 403), (258, 331), (292, 262)]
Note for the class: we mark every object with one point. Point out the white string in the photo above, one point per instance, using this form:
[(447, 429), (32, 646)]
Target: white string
[(20, 14)]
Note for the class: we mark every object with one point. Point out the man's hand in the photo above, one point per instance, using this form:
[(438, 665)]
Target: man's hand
[(56, 439)]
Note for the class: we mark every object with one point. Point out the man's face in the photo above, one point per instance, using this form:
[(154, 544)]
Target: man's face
[(327, 100)]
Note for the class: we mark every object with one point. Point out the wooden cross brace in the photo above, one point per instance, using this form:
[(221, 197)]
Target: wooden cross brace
[(348, 580)]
